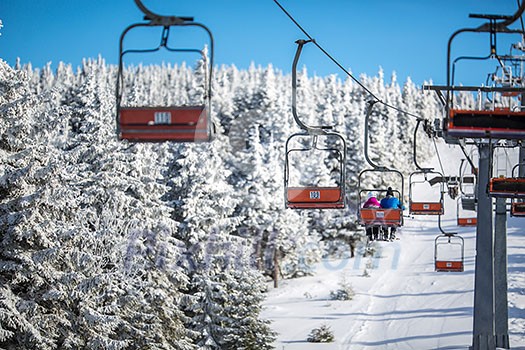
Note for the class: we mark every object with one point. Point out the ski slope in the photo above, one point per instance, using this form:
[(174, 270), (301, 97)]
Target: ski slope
[(400, 302)]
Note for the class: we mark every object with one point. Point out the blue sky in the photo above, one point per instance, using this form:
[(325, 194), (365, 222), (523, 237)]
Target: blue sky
[(406, 36)]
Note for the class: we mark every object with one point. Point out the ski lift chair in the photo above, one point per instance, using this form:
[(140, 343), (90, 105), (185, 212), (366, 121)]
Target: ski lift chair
[(449, 262), (466, 203), (421, 177), (157, 123), (372, 216), (517, 209), (505, 187), (379, 216), (431, 207), (493, 119), (485, 122), (313, 196), (313, 139)]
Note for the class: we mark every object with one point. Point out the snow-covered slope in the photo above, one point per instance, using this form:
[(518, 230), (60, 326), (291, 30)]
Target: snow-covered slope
[(400, 302)]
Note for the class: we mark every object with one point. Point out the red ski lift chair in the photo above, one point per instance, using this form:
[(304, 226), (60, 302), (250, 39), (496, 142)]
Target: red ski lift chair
[(306, 191), (466, 203), (325, 187), (449, 253), (434, 206), (424, 180), (378, 216), (157, 123), (505, 187), (517, 209)]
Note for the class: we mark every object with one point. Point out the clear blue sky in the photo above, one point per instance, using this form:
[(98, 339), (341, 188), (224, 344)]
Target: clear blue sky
[(405, 36)]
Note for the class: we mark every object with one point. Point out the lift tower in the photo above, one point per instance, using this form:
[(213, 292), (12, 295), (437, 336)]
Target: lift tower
[(484, 127)]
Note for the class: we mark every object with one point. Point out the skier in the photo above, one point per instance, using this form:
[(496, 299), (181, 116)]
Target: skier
[(390, 202), (372, 231)]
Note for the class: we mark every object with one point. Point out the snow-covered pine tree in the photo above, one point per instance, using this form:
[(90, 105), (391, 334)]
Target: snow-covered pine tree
[(424, 105), (67, 211), (354, 113), (204, 206), (224, 86), (25, 250), (262, 191), (243, 297)]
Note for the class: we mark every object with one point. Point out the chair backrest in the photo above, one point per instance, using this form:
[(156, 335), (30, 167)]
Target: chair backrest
[(486, 123), (468, 203)]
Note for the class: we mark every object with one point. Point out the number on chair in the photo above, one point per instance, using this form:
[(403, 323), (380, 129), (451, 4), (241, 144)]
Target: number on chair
[(162, 118), (315, 195)]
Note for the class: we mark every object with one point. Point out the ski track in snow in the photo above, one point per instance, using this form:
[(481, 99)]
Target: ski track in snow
[(403, 304)]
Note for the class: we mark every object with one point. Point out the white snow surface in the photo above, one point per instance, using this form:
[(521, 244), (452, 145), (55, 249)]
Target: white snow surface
[(402, 303)]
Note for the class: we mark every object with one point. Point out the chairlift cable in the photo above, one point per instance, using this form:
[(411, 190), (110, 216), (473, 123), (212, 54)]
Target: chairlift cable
[(507, 158), (439, 157), (473, 166), (341, 66)]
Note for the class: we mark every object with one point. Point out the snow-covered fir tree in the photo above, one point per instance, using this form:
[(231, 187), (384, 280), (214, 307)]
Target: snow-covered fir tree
[(204, 206), (111, 245)]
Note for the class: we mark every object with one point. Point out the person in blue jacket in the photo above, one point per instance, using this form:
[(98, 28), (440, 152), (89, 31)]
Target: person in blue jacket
[(390, 202)]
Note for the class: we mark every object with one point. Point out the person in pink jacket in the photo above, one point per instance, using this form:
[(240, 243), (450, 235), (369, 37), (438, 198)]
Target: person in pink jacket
[(372, 232), (372, 202)]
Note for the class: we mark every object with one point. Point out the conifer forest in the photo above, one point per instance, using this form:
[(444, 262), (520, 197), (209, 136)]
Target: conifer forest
[(108, 244)]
